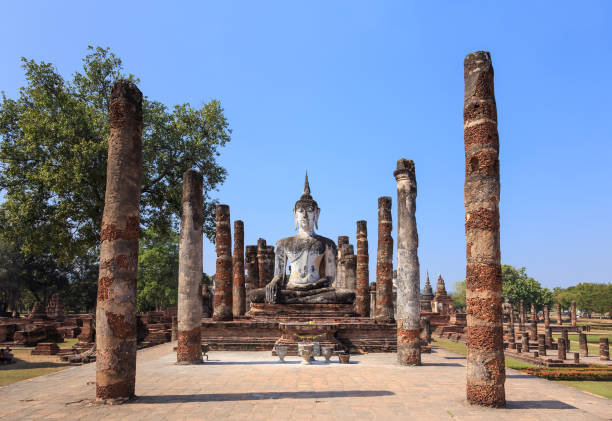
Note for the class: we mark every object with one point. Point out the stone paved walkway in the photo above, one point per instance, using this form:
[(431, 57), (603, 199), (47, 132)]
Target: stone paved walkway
[(254, 386)]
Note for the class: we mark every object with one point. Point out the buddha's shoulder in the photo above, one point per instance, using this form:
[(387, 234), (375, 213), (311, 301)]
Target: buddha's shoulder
[(297, 241)]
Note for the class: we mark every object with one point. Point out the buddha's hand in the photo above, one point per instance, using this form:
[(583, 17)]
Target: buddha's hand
[(272, 290)]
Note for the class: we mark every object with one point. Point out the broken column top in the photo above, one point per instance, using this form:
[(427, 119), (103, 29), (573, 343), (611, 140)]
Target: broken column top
[(192, 184), (342, 239), (261, 243), (405, 167), (362, 227), (123, 88)]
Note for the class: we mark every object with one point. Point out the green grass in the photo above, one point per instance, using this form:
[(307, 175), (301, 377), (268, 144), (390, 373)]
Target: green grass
[(601, 388), (28, 366), (598, 388), (68, 343)]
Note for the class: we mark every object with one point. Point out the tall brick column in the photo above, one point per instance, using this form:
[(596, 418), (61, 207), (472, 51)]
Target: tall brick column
[(522, 316), (546, 317), (573, 314), (486, 372), (533, 325), (362, 301), (604, 349), (189, 312), (373, 300), (549, 340), (559, 317), (511, 334), (238, 289), (384, 262), (350, 268), (408, 272), (116, 308), (223, 278), (265, 261), (252, 268), (584, 347)]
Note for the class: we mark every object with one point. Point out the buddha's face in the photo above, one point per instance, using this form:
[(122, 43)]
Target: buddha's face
[(305, 217)]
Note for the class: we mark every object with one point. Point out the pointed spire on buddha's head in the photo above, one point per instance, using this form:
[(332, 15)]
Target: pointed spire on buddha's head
[(306, 199)]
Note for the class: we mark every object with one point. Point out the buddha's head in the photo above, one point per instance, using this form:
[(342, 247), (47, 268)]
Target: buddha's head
[(306, 211)]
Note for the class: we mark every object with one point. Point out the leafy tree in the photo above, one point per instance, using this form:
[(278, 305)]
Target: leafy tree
[(157, 270), (517, 286), (589, 297), (458, 294), (53, 153)]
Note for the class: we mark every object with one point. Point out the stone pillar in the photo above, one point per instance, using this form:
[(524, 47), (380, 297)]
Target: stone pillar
[(559, 317), (223, 278), (486, 372), (576, 358), (350, 269), (533, 331), (340, 281), (252, 268), (262, 261), (238, 289), (189, 312), (511, 333), (116, 308), (573, 314), (362, 300), (522, 316), (174, 331), (269, 263), (542, 345), (548, 336), (408, 272), (584, 347), (384, 262), (525, 342), (604, 349), (564, 335), (546, 317), (373, 300), (561, 349)]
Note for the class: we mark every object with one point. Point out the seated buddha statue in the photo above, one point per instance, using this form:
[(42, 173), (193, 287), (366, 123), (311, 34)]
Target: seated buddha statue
[(312, 262)]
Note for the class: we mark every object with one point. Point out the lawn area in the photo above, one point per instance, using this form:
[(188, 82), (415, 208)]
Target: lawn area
[(598, 388), (601, 388), (28, 366), (68, 343)]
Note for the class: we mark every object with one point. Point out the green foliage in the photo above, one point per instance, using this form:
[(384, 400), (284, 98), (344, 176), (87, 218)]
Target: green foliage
[(458, 294), (53, 157), (517, 286), (589, 297), (157, 270), (53, 152)]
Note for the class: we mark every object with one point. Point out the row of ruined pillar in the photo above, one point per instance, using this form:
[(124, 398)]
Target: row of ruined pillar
[(116, 311)]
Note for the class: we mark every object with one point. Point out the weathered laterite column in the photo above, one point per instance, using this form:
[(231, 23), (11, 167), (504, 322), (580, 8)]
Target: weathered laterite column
[(262, 262), (533, 325), (223, 278), (542, 344), (584, 347), (546, 317), (511, 334), (373, 300), (573, 314), (252, 267), (238, 290), (549, 340), (189, 312), (384, 262), (559, 317), (525, 342), (522, 317), (350, 269), (604, 349), (562, 346), (408, 279), (485, 345), (116, 308), (362, 301)]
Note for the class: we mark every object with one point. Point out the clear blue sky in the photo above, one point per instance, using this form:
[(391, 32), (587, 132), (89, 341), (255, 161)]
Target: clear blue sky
[(344, 89)]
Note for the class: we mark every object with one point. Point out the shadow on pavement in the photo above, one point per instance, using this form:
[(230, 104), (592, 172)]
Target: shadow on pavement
[(520, 376), (550, 404), (224, 397), (443, 365)]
